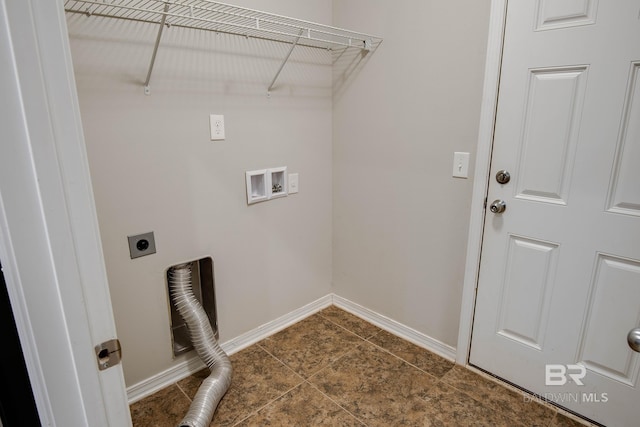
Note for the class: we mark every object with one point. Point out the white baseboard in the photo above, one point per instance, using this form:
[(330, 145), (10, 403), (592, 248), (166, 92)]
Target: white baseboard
[(193, 364), (396, 328), (165, 378), (261, 332)]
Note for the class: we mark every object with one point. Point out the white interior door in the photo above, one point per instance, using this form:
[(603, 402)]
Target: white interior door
[(560, 274)]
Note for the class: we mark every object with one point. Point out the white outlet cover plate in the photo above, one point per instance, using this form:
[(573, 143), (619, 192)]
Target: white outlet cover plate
[(216, 124), (460, 165)]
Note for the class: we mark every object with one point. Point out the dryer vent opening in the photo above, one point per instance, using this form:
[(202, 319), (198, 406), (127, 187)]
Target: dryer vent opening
[(203, 285), (202, 336)]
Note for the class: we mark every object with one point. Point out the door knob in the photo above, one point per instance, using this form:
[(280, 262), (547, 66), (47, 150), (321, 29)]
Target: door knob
[(498, 206), (503, 176), (634, 339)]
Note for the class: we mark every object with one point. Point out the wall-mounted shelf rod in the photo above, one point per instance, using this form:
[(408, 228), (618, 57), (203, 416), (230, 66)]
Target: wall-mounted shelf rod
[(286, 58), (147, 89), (224, 18)]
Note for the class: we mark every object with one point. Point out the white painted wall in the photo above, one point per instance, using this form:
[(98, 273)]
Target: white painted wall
[(378, 212), (400, 220), (154, 168)]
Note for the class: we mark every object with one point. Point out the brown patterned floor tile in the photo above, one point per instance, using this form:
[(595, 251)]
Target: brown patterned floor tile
[(498, 397), (377, 387), (310, 344), (350, 322), (165, 408), (190, 384), (385, 381), (302, 406), (417, 356), (257, 379), (454, 408), (564, 421)]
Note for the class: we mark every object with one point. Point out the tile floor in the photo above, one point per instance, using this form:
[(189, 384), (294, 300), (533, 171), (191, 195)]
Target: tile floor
[(335, 369)]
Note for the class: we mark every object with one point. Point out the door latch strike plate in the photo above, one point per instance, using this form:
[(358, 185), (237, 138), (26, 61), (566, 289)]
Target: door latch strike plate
[(108, 354)]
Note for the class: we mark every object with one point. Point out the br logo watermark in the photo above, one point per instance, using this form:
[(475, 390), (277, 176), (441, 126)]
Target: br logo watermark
[(557, 374)]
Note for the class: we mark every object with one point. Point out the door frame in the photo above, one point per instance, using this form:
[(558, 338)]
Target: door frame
[(49, 236), (495, 40)]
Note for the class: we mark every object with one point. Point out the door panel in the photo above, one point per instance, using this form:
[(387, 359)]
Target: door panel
[(526, 290), (559, 279), (550, 126), (613, 305), (555, 14), (625, 191)]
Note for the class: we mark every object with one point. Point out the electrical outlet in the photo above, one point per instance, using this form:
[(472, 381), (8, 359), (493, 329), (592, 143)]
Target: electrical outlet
[(141, 245), (216, 122)]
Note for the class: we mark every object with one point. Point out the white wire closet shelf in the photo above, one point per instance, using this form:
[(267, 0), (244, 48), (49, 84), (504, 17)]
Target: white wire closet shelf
[(224, 18)]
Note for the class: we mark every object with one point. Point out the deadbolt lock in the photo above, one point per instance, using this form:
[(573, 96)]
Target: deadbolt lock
[(503, 176)]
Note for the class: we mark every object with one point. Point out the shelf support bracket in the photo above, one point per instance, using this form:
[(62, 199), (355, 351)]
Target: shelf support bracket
[(147, 89), (286, 58)]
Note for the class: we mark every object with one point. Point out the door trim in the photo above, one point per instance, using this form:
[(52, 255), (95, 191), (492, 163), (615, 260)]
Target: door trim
[(49, 236), (481, 176)]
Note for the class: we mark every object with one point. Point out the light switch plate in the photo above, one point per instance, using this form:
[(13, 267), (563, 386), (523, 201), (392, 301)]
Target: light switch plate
[(293, 183), (216, 123), (460, 165)]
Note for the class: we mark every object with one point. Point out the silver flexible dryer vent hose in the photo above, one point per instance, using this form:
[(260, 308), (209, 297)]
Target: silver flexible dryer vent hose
[(216, 384)]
